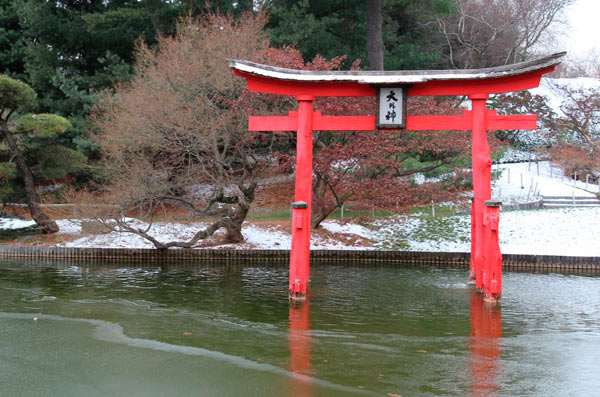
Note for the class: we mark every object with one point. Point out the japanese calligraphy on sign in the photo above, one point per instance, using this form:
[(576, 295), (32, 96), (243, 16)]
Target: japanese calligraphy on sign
[(392, 106)]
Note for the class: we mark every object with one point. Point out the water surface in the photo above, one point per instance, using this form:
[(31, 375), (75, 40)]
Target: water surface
[(229, 330)]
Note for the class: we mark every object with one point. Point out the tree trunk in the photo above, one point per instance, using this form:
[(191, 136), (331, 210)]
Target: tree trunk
[(374, 35), (240, 213), (320, 216), (234, 227), (44, 222)]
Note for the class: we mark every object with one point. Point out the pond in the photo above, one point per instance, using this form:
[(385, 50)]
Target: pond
[(193, 330)]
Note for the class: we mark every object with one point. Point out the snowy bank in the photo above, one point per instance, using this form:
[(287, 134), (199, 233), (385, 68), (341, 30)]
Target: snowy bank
[(566, 231), (521, 182), (561, 231), (256, 236)]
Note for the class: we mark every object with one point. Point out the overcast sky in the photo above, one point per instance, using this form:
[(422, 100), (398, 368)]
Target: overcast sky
[(583, 34)]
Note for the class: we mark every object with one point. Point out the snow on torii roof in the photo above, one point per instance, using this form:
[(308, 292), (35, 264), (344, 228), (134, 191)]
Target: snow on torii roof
[(396, 76)]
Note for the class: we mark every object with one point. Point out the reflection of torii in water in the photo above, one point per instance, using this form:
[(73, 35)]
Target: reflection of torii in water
[(299, 344), (484, 343), (484, 347), (476, 84)]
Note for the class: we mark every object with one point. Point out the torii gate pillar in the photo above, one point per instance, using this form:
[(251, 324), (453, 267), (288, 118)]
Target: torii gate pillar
[(486, 258), (301, 208), (482, 165)]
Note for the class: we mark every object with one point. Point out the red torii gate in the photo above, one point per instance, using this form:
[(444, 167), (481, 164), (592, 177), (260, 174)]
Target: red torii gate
[(476, 84)]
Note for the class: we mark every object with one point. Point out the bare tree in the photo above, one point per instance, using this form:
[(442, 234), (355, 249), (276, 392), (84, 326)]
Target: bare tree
[(483, 33), (182, 123), (586, 66), (577, 131), (581, 121)]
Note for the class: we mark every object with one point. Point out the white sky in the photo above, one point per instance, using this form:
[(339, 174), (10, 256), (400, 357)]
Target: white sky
[(582, 36)]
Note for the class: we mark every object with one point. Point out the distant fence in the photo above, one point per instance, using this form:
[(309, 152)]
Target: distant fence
[(531, 205), (60, 210), (270, 257), (523, 206)]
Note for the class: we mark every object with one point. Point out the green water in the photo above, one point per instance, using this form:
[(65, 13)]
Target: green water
[(230, 331)]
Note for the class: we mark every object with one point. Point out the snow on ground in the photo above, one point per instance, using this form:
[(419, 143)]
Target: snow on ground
[(14, 223), (116, 239), (549, 182), (68, 226), (564, 231), (255, 236), (561, 231), (274, 238), (348, 228)]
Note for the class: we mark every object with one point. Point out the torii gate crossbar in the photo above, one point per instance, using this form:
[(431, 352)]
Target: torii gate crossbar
[(477, 85)]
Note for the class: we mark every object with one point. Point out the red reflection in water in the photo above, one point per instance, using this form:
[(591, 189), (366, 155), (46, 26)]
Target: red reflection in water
[(486, 330), (299, 345)]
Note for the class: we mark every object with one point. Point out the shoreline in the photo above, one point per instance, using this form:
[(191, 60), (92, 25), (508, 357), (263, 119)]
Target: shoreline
[(375, 258)]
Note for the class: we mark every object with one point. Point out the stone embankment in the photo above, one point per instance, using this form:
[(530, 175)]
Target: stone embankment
[(281, 257)]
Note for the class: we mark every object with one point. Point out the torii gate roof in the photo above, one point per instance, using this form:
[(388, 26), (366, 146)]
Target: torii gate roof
[(394, 76), (283, 81)]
